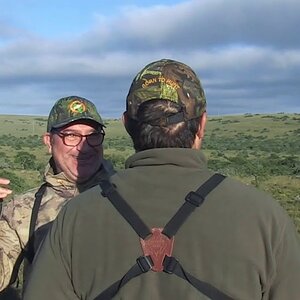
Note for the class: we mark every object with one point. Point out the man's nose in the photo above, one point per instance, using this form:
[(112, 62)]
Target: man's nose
[(83, 145)]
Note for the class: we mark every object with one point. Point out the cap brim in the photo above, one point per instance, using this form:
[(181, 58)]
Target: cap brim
[(74, 120)]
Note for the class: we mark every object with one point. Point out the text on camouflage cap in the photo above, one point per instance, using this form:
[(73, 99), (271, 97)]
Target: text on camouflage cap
[(169, 80), (70, 109)]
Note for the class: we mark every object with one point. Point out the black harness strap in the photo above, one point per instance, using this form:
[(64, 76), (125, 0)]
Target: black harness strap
[(143, 265), (170, 264), (192, 201), (124, 209), (28, 252), (34, 215)]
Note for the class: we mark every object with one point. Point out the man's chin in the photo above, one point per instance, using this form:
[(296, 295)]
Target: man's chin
[(84, 174), (83, 178)]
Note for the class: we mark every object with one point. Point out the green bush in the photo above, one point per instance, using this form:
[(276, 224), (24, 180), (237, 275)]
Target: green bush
[(17, 184), (25, 160)]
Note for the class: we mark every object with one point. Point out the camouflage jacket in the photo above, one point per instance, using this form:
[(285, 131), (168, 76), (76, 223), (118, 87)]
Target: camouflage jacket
[(16, 215)]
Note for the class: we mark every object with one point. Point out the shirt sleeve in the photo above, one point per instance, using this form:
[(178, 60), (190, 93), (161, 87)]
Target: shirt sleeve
[(50, 278), (10, 245), (286, 281)]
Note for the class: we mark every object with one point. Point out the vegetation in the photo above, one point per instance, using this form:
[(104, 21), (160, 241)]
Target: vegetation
[(263, 150)]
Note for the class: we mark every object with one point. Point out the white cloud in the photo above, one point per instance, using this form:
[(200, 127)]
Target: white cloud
[(241, 50)]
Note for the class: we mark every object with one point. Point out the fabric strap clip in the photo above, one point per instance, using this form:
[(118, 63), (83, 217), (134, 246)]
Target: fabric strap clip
[(170, 264), (145, 263), (194, 198)]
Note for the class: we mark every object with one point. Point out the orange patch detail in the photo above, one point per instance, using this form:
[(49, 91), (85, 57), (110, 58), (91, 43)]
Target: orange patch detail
[(77, 107)]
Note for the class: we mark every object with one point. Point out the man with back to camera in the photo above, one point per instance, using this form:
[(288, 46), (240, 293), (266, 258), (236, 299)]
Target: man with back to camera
[(166, 227), (74, 137)]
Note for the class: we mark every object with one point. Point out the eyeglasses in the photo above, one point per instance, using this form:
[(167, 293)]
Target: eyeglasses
[(73, 139)]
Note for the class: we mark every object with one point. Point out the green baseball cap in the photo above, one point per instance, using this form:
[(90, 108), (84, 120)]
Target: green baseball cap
[(169, 80), (70, 109)]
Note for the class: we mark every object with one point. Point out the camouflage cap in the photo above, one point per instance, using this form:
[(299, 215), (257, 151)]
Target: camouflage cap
[(70, 109), (169, 80)]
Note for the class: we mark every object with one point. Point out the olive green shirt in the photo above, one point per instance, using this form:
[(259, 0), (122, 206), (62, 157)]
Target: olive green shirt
[(240, 240)]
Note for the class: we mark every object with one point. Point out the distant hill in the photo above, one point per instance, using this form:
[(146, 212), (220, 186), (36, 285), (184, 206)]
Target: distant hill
[(260, 149)]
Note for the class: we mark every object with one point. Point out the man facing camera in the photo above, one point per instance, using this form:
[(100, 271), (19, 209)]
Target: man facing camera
[(74, 137)]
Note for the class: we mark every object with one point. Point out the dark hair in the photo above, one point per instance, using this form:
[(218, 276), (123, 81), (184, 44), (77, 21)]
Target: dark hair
[(148, 131)]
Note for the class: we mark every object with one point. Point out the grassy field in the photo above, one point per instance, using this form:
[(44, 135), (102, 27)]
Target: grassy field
[(22, 126), (271, 125), (270, 144)]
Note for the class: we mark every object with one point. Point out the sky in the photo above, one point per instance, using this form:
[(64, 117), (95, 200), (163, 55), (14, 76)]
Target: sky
[(246, 53)]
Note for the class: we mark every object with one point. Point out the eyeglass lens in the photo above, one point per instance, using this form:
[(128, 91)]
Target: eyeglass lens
[(74, 139)]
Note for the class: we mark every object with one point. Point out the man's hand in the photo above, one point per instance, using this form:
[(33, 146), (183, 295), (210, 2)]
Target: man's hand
[(4, 191)]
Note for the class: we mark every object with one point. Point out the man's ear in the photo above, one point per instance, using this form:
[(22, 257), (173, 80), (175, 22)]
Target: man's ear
[(125, 120), (200, 132), (47, 141), (202, 125)]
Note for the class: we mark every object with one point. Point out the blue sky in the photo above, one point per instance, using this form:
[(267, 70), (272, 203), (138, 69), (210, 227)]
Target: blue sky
[(246, 53)]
